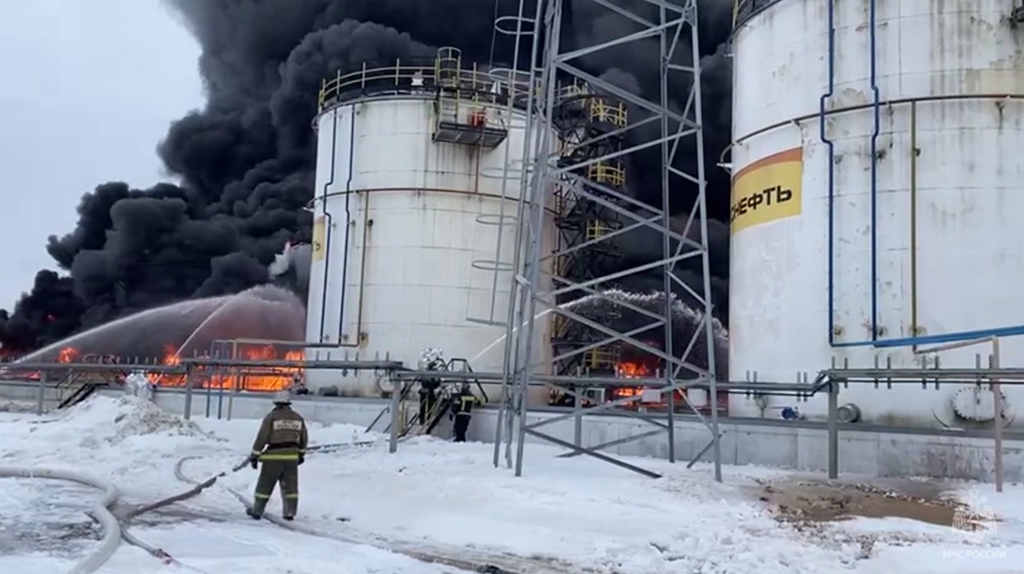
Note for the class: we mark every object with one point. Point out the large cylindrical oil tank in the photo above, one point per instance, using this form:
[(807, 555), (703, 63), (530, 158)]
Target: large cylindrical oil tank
[(409, 185), (876, 187)]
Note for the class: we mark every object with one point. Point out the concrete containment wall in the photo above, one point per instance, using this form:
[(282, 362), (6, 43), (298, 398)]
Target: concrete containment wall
[(745, 441)]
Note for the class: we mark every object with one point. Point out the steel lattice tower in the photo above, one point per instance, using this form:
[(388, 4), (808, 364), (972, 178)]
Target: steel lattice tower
[(581, 175)]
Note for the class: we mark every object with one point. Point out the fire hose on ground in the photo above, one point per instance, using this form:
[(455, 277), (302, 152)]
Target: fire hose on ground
[(100, 511), (196, 489), (389, 546), (115, 528)]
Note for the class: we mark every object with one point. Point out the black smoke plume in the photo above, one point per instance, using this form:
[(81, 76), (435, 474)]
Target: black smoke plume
[(245, 161)]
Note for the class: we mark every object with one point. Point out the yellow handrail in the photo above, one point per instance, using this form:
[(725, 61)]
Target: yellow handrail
[(601, 110), (409, 77), (603, 357), (596, 229), (607, 174), (446, 71)]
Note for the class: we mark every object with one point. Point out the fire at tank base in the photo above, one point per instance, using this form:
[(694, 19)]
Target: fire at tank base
[(73, 368), (260, 324)]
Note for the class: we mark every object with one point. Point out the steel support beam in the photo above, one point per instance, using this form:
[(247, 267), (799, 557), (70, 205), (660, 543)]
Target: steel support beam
[(665, 33)]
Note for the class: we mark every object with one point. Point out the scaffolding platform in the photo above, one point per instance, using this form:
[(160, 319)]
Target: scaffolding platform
[(463, 134)]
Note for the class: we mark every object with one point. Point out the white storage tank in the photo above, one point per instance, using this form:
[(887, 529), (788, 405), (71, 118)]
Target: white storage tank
[(409, 185), (896, 221)]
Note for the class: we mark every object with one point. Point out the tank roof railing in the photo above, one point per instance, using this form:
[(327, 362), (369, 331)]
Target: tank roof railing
[(744, 10), (492, 87), (405, 77)]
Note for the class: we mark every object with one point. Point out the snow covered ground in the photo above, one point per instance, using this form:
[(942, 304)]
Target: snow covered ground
[(439, 499)]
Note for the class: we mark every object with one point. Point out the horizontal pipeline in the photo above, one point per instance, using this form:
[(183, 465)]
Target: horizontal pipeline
[(868, 106), (952, 337)]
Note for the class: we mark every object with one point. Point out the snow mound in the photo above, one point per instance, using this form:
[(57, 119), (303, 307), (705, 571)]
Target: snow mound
[(113, 420), (12, 406)]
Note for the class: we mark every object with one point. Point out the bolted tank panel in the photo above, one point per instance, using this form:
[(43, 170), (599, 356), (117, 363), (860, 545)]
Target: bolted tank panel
[(924, 117), (397, 230)]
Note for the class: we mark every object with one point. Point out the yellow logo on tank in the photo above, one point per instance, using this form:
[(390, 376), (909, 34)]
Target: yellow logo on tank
[(767, 189), (319, 231)]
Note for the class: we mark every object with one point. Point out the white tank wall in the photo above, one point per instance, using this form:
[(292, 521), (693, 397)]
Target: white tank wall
[(968, 179), (413, 234)]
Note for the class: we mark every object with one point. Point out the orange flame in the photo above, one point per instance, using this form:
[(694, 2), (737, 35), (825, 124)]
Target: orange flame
[(236, 378), (632, 370), (67, 355), (242, 379)]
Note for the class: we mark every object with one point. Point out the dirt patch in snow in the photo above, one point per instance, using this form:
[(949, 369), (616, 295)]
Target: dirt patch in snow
[(823, 501)]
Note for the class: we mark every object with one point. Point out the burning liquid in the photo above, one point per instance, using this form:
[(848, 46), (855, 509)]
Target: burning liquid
[(165, 335)]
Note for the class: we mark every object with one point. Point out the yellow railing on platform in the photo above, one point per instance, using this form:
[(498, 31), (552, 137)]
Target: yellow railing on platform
[(607, 174), (602, 111), (601, 358), (596, 229), (485, 88)]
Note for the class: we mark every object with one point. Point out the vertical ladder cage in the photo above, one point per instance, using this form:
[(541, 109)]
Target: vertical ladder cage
[(514, 84)]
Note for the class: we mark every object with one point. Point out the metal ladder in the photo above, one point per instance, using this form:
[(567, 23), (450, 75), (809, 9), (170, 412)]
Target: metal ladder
[(521, 86)]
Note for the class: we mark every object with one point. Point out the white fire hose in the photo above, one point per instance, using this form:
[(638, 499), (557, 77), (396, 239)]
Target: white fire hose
[(111, 528)]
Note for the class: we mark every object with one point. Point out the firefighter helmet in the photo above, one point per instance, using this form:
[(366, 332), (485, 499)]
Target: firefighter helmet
[(282, 398)]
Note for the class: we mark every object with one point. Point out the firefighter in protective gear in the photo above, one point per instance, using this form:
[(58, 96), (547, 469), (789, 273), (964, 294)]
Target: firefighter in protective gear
[(462, 411), (280, 446), (430, 360)]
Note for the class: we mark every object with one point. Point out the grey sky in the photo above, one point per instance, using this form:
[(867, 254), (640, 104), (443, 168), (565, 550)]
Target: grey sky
[(87, 90)]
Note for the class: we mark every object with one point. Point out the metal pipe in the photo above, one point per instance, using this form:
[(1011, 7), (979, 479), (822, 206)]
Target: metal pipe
[(873, 71), (666, 243), (1013, 331), (833, 430), (348, 225), (351, 365), (1011, 375), (189, 388), (997, 398), (328, 224), (278, 343), (92, 367), (209, 399), (362, 269), (419, 189), (862, 107), (873, 50), (997, 403), (397, 391), (950, 346), (822, 134), (616, 382), (709, 334), (914, 330), (362, 284), (42, 394), (915, 340)]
